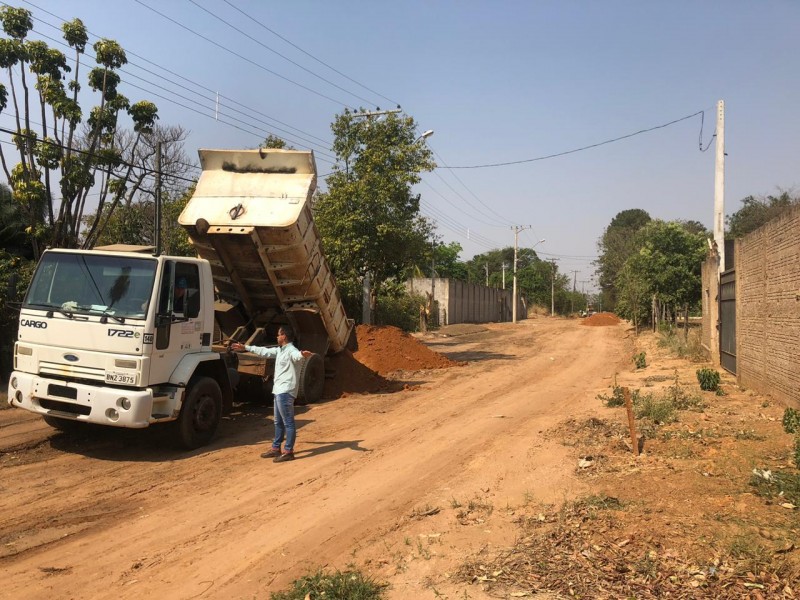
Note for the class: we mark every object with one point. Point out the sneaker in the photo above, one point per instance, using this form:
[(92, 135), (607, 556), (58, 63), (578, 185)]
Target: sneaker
[(284, 457), (271, 453)]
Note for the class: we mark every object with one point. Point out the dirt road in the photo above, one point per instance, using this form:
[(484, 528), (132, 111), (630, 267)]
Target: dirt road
[(119, 514)]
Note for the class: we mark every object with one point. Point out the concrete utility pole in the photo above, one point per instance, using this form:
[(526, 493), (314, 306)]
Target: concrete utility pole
[(517, 229), (574, 290), (504, 275), (553, 289), (487, 274), (719, 187)]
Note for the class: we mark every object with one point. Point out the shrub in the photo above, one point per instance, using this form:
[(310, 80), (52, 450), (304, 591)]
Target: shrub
[(658, 410), (640, 360), (791, 421), (341, 585), (709, 379)]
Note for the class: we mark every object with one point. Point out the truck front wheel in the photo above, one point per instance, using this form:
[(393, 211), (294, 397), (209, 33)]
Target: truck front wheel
[(200, 413)]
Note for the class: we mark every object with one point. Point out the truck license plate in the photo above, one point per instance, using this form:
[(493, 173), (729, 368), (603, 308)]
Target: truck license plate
[(123, 378)]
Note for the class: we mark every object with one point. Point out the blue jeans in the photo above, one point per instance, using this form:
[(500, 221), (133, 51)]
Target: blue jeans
[(284, 421)]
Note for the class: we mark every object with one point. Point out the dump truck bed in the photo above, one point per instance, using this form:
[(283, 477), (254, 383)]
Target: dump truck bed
[(250, 217)]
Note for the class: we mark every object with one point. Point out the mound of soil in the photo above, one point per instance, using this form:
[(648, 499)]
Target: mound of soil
[(386, 349), (351, 377), (381, 350), (602, 319)]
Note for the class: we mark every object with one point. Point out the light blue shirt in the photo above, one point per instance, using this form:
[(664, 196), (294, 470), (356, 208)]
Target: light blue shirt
[(286, 380)]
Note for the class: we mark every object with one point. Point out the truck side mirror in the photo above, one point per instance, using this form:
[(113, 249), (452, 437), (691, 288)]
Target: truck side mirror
[(11, 294)]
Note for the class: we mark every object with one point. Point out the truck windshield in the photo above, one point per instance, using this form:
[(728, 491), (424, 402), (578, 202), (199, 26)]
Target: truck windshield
[(80, 283)]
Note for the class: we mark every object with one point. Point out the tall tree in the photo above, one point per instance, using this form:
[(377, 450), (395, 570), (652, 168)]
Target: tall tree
[(666, 266), (615, 246), (369, 219), (64, 156)]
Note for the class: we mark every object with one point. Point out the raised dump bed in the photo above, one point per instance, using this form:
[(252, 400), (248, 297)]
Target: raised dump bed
[(250, 217)]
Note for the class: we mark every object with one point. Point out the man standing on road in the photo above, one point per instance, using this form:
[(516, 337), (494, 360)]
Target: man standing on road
[(284, 387)]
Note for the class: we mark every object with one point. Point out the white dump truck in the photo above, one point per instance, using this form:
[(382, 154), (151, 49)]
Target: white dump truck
[(122, 336)]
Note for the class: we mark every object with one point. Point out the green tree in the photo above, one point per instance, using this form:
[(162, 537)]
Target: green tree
[(615, 246), (666, 267), (369, 220), (446, 261), (756, 211), (70, 153), (134, 224), (273, 141)]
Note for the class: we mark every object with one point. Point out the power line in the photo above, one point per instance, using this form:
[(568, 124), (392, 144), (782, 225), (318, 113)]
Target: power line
[(286, 58), (310, 55), (494, 216), (173, 73), (617, 139), (244, 58)]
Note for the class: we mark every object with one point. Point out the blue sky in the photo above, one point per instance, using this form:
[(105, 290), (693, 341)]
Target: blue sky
[(497, 82)]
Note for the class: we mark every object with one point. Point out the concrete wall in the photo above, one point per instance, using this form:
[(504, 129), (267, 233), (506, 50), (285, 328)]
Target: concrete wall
[(768, 308), (461, 302)]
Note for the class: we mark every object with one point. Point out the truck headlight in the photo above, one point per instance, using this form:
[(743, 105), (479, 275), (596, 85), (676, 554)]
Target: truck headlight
[(14, 382), (124, 403), (125, 364), (24, 350)]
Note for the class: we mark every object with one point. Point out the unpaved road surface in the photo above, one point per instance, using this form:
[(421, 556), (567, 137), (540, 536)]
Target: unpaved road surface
[(120, 514)]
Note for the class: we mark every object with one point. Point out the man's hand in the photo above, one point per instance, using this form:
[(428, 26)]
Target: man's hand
[(237, 347), (306, 353)]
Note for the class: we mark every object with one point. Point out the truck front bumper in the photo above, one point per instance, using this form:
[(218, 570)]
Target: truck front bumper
[(103, 405)]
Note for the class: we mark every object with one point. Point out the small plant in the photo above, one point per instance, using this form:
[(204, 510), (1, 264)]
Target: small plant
[(640, 360), (709, 379), (615, 399), (791, 421), (340, 584), (797, 452), (777, 485), (658, 410)]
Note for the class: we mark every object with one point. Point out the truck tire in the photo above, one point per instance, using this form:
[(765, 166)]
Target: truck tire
[(312, 380), (200, 413)]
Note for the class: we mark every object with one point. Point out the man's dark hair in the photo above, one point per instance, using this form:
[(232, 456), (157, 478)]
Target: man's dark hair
[(288, 332)]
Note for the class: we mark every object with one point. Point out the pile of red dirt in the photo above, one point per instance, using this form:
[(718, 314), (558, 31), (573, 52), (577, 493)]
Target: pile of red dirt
[(381, 350), (601, 319), (386, 349)]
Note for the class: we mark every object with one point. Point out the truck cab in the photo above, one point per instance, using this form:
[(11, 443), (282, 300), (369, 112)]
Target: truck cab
[(119, 337)]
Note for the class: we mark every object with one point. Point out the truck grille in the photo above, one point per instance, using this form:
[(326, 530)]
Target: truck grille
[(71, 371)]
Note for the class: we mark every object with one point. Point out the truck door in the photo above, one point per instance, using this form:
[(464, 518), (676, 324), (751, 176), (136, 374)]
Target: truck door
[(180, 326)]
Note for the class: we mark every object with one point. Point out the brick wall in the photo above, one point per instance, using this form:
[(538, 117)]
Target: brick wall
[(768, 308)]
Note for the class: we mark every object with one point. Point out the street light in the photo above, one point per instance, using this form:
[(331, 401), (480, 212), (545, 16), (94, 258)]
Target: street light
[(424, 134)]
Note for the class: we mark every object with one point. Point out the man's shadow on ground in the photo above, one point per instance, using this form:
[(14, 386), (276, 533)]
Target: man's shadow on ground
[(321, 448)]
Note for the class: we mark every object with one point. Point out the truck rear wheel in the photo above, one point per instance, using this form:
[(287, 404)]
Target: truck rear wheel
[(200, 413), (312, 380)]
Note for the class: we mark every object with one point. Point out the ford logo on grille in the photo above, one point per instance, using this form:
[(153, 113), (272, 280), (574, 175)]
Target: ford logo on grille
[(71, 358)]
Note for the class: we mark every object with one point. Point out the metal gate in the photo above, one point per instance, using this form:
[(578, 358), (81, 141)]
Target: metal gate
[(727, 321)]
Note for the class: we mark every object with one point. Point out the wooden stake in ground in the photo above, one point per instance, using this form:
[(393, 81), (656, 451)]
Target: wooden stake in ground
[(626, 394)]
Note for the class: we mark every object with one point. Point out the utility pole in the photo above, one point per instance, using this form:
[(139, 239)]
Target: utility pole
[(719, 187), (553, 289), (517, 229), (504, 275), (157, 218), (574, 290), (487, 274)]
